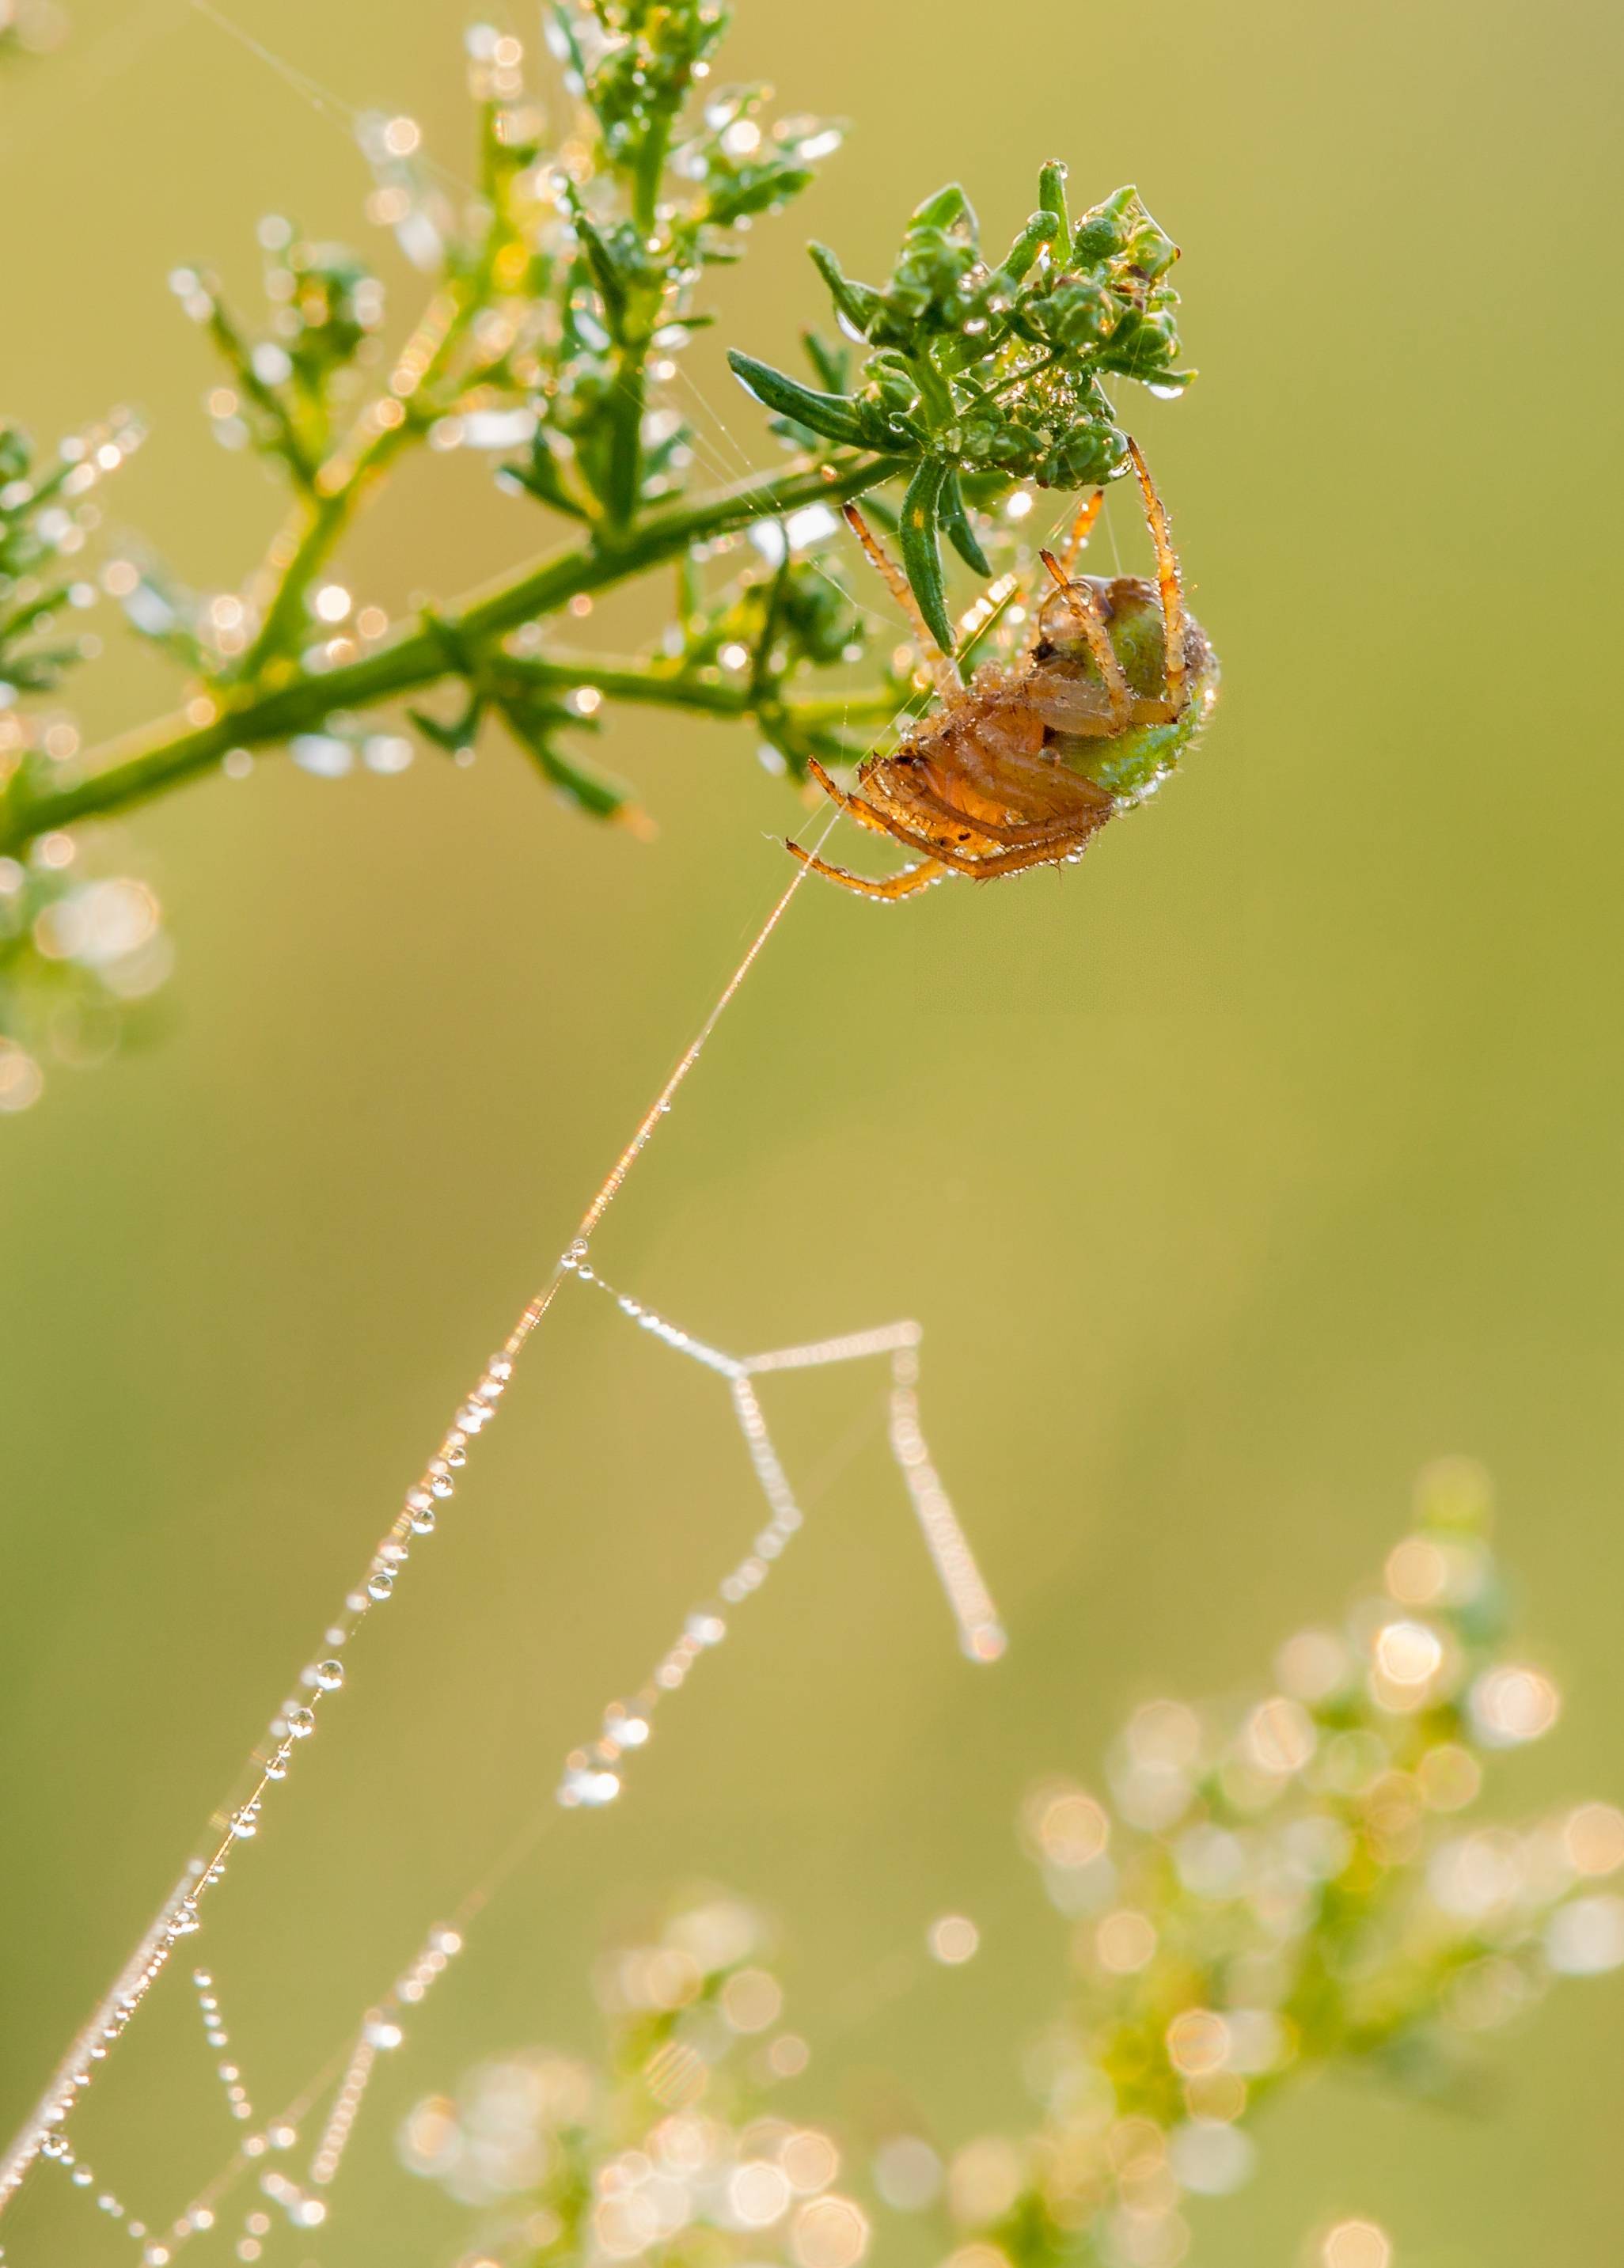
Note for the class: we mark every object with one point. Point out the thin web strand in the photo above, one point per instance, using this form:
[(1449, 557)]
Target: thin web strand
[(239, 1822), (592, 1775)]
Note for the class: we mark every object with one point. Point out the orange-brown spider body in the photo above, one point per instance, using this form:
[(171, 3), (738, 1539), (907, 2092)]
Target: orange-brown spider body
[(1025, 764)]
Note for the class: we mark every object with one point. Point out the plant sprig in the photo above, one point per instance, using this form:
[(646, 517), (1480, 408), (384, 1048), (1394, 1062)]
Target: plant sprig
[(564, 284), (992, 371), (1269, 1889)]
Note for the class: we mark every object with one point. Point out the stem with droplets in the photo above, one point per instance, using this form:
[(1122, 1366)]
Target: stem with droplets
[(148, 762)]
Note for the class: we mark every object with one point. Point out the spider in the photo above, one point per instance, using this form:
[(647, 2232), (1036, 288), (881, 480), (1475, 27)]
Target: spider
[(1024, 765)]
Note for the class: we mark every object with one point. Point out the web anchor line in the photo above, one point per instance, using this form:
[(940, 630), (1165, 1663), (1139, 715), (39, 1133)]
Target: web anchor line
[(238, 1821), (592, 1775)]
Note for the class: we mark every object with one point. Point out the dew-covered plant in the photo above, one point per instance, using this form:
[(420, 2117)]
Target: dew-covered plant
[(1307, 1877), (563, 287), (78, 944), (667, 2148)]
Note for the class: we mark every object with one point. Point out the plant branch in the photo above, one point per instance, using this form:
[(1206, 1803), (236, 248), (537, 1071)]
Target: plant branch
[(156, 757), (671, 687), (336, 487)]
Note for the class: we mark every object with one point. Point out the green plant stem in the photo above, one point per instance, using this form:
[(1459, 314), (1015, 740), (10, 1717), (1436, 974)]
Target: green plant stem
[(639, 684), (625, 474), (156, 757), (335, 489), (236, 353)]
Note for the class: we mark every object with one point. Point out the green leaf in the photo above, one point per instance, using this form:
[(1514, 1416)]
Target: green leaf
[(1042, 229), (960, 534), (834, 414), (459, 733), (948, 208), (759, 189), (542, 476), (534, 724), (1052, 196), (859, 303), (921, 549), (605, 272), (829, 363)]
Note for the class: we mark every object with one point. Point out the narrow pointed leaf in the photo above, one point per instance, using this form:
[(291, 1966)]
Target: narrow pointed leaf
[(833, 415), (955, 526), (611, 284), (947, 207), (859, 303), (828, 362), (1042, 229), (534, 723), (921, 549), (1052, 196)]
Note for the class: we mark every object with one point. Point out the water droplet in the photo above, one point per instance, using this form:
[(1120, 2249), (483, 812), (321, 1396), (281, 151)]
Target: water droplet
[(302, 1723), (423, 1521), (380, 1585), (329, 1675), (381, 2032)]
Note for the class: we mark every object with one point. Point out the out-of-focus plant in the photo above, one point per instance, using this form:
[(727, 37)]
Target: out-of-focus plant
[(29, 27), (564, 289), (78, 945), (665, 2152), (1303, 1880)]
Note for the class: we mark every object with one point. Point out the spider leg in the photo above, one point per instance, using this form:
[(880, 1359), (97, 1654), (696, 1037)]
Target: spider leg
[(943, 671), (887, 816), (1049, 854), (853, 806), (1168, 583), (1081, 527), (1020, 833), (1028, 846), (903, 885), (1085, 608)]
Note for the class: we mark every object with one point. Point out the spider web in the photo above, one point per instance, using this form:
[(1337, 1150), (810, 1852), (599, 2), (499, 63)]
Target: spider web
[(290, 2160), (312, 2132)]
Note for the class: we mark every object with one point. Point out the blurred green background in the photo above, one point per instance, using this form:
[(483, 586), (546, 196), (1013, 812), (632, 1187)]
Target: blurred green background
[(1233, 1176)]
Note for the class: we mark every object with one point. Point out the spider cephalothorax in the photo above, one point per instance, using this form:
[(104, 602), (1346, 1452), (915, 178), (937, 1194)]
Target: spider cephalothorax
[(1024, 765)]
